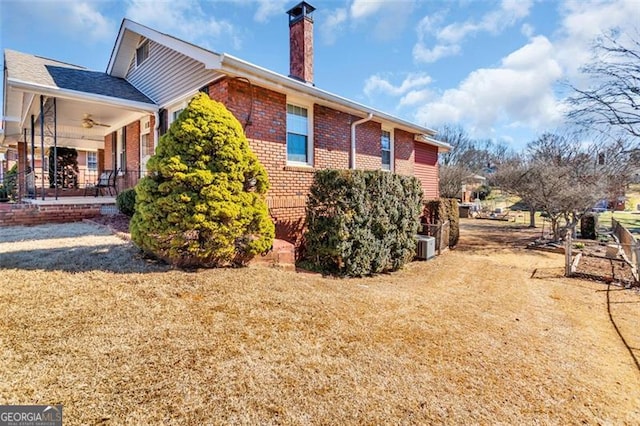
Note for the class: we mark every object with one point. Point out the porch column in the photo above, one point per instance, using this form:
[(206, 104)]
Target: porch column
[(42, 142), (23, 163)]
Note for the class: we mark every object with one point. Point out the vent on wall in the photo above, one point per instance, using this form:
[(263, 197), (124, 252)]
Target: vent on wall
[(426, 248)]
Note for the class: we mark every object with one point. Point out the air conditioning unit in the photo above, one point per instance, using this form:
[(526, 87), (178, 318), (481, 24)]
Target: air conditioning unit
[(426, 247)]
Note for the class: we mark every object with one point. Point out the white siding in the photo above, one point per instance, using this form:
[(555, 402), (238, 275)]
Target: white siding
[(167, 74)]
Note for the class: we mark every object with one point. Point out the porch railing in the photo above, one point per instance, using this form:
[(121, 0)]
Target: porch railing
[(30, 185)]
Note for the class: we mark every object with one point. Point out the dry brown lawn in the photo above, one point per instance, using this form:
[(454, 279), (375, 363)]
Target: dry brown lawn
[(472, 337)]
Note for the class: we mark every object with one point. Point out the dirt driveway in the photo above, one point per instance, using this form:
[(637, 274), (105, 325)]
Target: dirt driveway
[(471, 337)]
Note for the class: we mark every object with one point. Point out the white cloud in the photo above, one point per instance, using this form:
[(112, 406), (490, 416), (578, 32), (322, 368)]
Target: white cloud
[(268, 8), (184, 19), (378, 15), (416, 97), (89, 21), (527, 30), (363, 8), (378, 84), (421, 53), (333, 25), (450, 37), (583, 21), (520, 91)]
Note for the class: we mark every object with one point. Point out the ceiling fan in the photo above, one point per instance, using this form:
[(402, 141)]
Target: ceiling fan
[(88, 122)]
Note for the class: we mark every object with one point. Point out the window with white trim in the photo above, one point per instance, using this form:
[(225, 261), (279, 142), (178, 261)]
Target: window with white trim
[(142, 53), (92, 160), (299, 138), (146, 145), (385, 149)]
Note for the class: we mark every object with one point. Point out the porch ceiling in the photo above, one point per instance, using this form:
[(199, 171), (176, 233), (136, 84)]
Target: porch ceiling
[(69, 119)]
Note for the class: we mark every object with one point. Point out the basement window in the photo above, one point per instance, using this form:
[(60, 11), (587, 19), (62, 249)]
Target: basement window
[(142, 53)]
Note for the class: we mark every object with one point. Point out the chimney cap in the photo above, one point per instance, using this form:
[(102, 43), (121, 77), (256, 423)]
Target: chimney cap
[(299, 11)]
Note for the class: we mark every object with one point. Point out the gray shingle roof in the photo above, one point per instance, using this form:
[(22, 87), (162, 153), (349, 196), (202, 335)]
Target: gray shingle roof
[(51, 73)]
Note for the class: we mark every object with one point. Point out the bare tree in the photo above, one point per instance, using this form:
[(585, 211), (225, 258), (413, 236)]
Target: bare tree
[(564, 177), (467, 157), (613, 99)]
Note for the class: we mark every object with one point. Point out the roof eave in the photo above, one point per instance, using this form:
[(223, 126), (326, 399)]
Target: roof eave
[(442, 146), (78, 95)]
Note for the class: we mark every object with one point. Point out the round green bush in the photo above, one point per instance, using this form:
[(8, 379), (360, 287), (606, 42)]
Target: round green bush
[(203, 202), (126, 202)]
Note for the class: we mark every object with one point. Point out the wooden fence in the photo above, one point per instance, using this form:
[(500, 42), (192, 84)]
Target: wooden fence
[(629, 246)]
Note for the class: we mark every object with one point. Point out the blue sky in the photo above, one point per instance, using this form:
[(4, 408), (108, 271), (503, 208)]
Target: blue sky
[(498, 68)]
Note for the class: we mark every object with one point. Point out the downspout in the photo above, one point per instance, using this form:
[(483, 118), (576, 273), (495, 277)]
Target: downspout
[(353, 138)]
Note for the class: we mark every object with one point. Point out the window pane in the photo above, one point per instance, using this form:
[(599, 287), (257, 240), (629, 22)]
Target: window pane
[(385, 140), (386, 160), (296, 147), (92, 160), (297, 121)]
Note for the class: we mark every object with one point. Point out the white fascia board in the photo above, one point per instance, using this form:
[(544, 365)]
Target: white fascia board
[(210, 59), (442, 146), (81, 96), (233, 65)]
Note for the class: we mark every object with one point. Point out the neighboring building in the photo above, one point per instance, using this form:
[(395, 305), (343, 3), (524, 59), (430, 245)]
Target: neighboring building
[(293, 126)]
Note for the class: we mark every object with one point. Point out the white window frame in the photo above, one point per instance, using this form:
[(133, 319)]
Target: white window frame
[(309, 107), (119, 146), (96, 162), (391, 149), (148, 50), (145, 130)]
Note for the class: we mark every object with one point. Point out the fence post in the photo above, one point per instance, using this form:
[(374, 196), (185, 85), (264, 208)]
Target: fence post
[(567, 254)]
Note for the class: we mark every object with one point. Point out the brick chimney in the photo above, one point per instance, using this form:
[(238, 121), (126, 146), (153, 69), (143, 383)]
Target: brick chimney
[(301, 42)]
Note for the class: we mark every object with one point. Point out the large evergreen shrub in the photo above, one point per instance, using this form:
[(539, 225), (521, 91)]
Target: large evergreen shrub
[(203, 203), (361, 222)]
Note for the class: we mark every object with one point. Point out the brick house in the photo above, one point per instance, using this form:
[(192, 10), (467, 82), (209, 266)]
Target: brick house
[(293, 126)]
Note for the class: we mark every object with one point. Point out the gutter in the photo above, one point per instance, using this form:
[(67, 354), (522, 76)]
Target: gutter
[(353, 138)]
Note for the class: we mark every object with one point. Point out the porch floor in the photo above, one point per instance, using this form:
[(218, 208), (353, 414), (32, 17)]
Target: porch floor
[(71, 200)]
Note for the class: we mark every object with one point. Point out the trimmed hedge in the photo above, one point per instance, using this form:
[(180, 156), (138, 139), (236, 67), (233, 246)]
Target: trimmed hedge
[(441, 210), (203, 203), (126, 202), (361, 222)]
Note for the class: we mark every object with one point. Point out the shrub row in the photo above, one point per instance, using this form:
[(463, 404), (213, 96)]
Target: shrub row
[(361, 222)]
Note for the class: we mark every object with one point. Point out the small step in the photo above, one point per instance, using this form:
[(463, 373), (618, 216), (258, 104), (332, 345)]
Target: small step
[(282, 255)]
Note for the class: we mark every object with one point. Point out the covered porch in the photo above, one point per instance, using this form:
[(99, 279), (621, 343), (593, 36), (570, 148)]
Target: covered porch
[(64, 125)]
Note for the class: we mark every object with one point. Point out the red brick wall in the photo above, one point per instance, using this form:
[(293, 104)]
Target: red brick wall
[(404, 153), (108, 152), (132, 155), (332, 138), (368, 152), (264, 121), (32, 214)]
